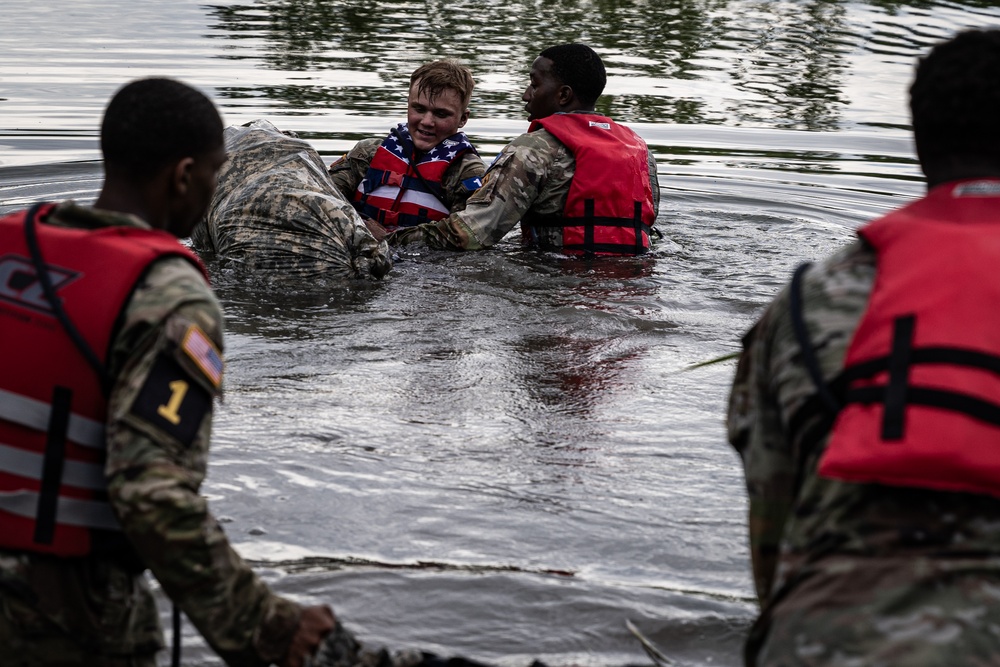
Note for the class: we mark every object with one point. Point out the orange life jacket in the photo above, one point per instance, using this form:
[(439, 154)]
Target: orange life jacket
[(609, 208), (53, 404), (922, 372)]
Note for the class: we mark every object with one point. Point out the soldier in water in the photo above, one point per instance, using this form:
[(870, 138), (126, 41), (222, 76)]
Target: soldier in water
[(865, 408), (578, 182), (112, 355), (426, 168)]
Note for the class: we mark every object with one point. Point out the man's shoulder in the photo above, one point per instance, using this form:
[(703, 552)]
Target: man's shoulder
[(170, 283), (467, 162), (538, 147), (366, 147)]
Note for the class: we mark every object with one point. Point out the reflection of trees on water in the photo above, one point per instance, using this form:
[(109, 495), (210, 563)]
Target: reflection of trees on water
[(793, 58), (682, 61)]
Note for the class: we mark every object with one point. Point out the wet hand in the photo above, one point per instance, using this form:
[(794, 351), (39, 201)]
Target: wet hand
[(315, 623)]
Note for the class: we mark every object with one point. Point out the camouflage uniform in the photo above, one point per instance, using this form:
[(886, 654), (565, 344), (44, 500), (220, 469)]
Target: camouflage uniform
[(98, 610), (850, 574), (277, 214), (532, 173), (349, 170)]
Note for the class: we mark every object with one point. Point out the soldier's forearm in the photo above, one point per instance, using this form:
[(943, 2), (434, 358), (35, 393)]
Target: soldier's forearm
[(184, 547)]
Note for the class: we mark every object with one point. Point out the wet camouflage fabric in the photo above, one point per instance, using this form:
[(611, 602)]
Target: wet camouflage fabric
[(277, 215), (858, 575), (97, 610), (531, 175), (348, 171)]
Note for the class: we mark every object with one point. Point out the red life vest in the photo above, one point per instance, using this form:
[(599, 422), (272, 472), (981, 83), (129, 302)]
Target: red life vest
[(609, 208), (922, 401), (398, 191), (52, 404)]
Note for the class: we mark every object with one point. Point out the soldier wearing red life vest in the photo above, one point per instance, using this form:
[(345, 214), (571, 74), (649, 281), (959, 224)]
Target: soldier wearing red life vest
[(111, 349), (577, 181), (425, 169), (866, 409)]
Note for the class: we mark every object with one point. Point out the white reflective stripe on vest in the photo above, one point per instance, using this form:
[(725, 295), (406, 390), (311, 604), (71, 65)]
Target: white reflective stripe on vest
[(71, 511), (29, 465), (35, 414), (421, 199)]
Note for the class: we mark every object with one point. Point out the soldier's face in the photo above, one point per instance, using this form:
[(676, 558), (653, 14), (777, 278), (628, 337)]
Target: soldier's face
[(195, 189), (431, 120), (544, 93)]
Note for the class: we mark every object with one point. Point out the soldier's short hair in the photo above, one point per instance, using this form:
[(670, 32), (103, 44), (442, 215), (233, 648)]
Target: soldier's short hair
[(152, 122), (435, 77), (579, 67), (955, 97)]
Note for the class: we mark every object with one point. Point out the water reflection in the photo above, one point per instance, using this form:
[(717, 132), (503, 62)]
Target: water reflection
[(781, 64)]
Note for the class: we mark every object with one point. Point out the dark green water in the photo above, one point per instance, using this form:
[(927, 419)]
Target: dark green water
[(500, 454)]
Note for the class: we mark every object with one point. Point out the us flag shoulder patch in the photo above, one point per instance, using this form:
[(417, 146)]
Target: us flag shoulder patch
[(203, 353)]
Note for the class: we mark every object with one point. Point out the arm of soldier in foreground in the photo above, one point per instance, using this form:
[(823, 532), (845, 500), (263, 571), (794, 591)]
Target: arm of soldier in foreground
[(157, 460), (460, 179), (348, 171), (511, 186), (756, 432), (772, 386)]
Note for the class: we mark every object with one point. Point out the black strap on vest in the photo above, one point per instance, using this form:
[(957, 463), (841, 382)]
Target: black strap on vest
[(637, 226), (899, 371), (588, 225), (52, 466), (31, 238), (589, 221), (897, 394)]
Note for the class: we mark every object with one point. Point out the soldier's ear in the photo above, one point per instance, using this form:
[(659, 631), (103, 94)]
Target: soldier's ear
[(565, 95), (181, 176)]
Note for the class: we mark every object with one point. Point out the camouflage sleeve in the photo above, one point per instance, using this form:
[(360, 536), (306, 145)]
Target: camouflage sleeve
[(755, 431), (457, 180), (167, 364), (771, 385), (533, 171), (348, 171)]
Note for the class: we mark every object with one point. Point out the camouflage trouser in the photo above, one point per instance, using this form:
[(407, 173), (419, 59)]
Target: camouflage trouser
[(28, 639), (881, 612), (75, 611)]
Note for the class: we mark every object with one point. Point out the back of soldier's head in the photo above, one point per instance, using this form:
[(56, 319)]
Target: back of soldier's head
[(955, 97), (151, 123), (436, 77), (579, 67)]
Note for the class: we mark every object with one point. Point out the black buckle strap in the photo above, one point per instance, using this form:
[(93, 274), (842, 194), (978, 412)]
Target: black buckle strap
[(41, 271), (637, 226), (52, 466), (977, 408), (899, 371), (588, 225)]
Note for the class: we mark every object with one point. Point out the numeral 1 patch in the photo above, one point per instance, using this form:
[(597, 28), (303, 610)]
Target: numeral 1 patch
[(172, 401)]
